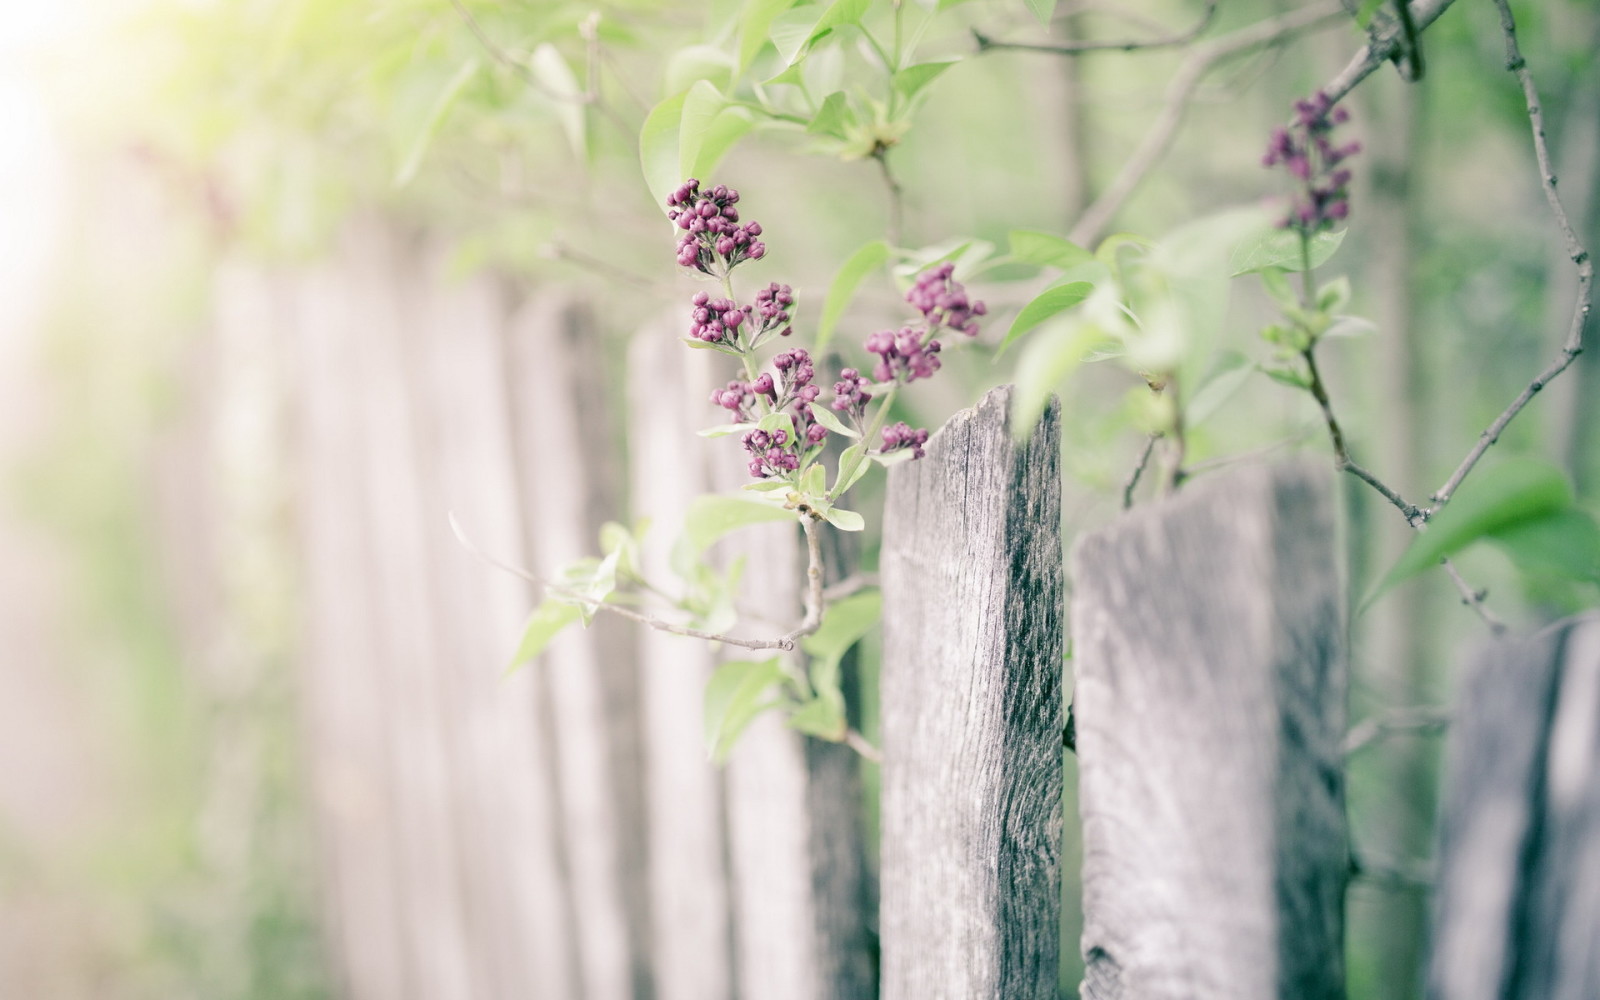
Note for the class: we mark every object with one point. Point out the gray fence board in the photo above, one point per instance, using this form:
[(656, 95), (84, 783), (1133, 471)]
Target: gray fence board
[(1208, 649), (972, 714), (1517, 907)]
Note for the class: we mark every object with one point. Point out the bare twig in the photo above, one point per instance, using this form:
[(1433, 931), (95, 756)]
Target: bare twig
[(1384, 48), (1422, 719), (814, 595), (1180, 91), (1138, 470), (985, 43), (1391, 873), (572, 255), (852, 584), (784, 642), (1573, 345), (1341, 452), (1473, 598), (861, 745)]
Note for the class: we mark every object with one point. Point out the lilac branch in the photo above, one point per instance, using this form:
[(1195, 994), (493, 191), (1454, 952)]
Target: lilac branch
[(1132, 481), (1384, 48), (1573, 345), (985, 43)]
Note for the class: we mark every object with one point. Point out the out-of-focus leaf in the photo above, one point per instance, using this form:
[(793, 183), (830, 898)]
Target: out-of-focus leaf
[(826, 417), (1046, 361), (565, 94), (832, 117), (1229, 371), (1043, 10), (1565, 543), (856, 267), (754, 25), (712, 516), (1505, 498), (1046, 249), (1043, 306), (702, 103), (658, 149), (728, 127), (699, 62), (548, 619), (734, 697), (843, 624), (1280, 248), (417, 148), (822, 717), (912, 79), (845, 520), (792, 30)]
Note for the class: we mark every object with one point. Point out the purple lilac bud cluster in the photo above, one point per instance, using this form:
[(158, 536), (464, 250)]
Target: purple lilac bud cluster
[(903, 354), (850, 395), (772, 305), (775, 452), (901, 435), (943, 301), (715, 321), (1306, 149), (711, 229), (737, 398)]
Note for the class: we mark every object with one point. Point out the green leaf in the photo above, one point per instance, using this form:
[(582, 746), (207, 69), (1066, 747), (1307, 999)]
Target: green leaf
[(699, 62), (822, 717), (723, 430), (912, 79), (658, 149), (843, 624), (730, 125), (845, 520), (733, 699), (1042, 9), (1046, 249), (899, 456), (1278, 287), (840, 13), (852, 466), (1565, 543), (827, 418), (777, 421), (1280, 248), (565, 93), (792, 30), (833, 118), (702, 103), (417, 149), (753, 25), (813, 481), (712, 516), (1229, 371), (1045, 363), (1506, 498), (548, 619), (1335, 295), (856, 267), (1043, 306), (1291, 377)]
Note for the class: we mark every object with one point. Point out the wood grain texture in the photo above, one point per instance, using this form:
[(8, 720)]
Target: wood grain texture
[(1517, 906), (1208, 637), (972, 714)]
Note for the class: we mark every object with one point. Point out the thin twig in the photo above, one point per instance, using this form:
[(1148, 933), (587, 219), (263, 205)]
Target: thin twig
[(1341, 452), (1384, 48), (1421, 719), (784, 642), (1573, 345), (861, 745), (985, 43), (1200, 60), (1138, 470), (852, 584), (1473, 598), (896, 195), (814, 595), (1402, 876), (572, 255)]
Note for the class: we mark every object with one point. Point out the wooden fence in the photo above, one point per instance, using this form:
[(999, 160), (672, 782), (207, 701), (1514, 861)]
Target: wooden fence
[(560, 834)]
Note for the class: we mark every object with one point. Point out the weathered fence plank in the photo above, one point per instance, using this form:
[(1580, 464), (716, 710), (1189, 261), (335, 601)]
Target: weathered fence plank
[(1208, 644), (1517, 906), (972, 714)]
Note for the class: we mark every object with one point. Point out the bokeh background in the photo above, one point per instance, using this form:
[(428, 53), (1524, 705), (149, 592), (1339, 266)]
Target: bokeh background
[(184, 185)]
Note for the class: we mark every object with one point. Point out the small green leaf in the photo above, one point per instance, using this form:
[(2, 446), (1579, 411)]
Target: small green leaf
[(777, 421), (899, 456), (712, 516), (1366, 10), (1278, 287), (753, 24), (733, 699), (548, 619), (822, 717), (843, 624), (1281, 248), (417, 149), (565, 93), (840, 13), (1043, 10), (1045, 363), (699, 62), (1291, 377), (912, 79), (1043, 306), (833, 117), (1335, 295), (856, 267), (1497, 501), (792, 31), (658, 149), (813, 481), (825, 416), (730, 125), (845, 520), (1046, 249), (852, 466)]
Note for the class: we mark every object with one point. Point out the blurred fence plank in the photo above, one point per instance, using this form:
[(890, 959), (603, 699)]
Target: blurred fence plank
[(972, 714), (1517, 906), (1208, 646)]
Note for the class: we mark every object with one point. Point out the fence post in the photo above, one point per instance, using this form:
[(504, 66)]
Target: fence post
[(1517, 905), (972, 713), (1209, 649)]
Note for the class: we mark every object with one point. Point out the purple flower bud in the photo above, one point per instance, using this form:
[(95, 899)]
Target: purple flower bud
[(815, 434)]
